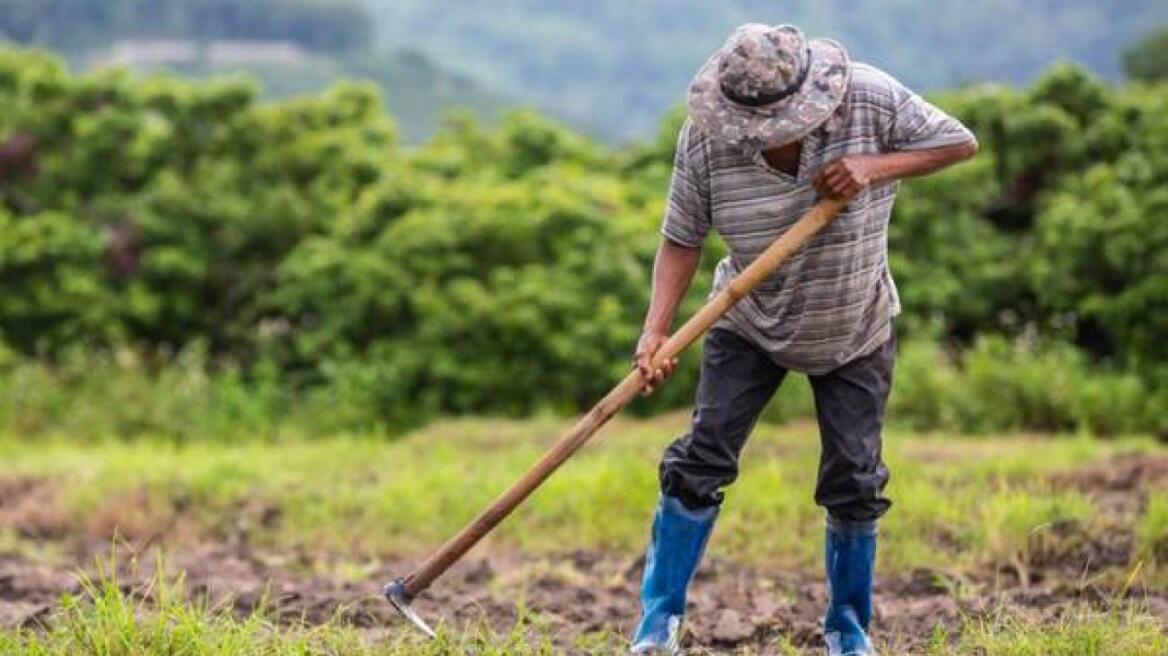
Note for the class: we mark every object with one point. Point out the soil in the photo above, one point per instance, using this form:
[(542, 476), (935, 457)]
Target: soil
[(1121, 484), (733, 608)]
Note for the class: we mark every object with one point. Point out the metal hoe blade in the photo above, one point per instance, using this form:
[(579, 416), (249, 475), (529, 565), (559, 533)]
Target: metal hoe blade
[(395, 592)]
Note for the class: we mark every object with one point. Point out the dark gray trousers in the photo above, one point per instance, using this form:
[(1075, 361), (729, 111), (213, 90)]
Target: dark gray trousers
[(737, 380)]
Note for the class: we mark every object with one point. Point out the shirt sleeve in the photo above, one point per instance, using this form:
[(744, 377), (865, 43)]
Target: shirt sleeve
[(687, 212), (917, 124)]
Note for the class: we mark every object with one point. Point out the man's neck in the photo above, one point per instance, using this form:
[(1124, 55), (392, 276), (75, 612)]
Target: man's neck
[(785, 158)]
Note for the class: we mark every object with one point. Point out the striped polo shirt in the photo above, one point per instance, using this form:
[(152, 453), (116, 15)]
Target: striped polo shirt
[(834, 300)]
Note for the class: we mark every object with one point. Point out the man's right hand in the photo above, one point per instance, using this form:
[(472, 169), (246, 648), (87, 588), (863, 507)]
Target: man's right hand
[(647, 345)]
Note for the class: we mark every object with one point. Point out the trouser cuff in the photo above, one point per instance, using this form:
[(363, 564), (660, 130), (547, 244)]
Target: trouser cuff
[(849, 528), (677, 506)]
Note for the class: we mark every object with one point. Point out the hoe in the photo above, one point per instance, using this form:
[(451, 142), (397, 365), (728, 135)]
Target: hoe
[(402, 591)]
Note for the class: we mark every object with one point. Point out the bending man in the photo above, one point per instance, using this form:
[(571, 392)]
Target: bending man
[(775, 121)]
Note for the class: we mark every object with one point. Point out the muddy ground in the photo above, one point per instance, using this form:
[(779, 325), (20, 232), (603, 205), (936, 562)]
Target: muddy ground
[(732, 607)]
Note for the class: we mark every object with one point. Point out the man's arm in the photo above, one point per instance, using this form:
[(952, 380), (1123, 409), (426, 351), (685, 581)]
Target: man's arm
[(849, 174), (673, 271), (917, 138)]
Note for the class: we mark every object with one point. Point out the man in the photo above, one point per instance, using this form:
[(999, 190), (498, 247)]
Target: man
[(775, 122)]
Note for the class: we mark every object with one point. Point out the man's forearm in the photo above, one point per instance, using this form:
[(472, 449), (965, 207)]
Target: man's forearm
[(846, 176), (913, 163), (673, 271)]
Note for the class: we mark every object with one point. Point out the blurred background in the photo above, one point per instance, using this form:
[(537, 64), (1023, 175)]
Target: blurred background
[(607, 68), (330, 207), (234, 235)]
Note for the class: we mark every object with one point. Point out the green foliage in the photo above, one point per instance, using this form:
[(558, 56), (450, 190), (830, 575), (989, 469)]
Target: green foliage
[(1056, 228), (92, 397), (158, 208), (1102, 250), (1148, 59), (50, 293), (998, 385), (408, 378), (506, 270)]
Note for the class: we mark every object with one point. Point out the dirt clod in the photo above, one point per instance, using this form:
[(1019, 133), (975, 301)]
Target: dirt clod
[(731, 629)]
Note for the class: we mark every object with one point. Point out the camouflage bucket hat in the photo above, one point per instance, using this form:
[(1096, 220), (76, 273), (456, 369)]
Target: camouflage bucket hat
[(768, 86)]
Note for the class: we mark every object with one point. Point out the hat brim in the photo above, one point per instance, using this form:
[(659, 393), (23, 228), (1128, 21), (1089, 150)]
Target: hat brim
[(779, 123)]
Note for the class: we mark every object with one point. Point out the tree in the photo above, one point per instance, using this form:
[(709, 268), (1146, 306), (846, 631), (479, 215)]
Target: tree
[(506, 269), (1148, 58)]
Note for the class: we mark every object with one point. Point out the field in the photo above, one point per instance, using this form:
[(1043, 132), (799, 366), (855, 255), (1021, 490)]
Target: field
[(996, 545), (255, 354)]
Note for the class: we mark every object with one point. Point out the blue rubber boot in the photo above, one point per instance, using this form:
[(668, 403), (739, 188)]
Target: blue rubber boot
[(851, 555), (679, 538)]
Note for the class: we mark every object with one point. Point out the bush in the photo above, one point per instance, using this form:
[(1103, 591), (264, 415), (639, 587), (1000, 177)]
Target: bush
[(997, 386), (1000, 385), (89, 397), (507, 270)]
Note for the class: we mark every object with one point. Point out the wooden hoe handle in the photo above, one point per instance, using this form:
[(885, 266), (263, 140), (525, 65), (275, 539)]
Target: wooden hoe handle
[(449, 553)]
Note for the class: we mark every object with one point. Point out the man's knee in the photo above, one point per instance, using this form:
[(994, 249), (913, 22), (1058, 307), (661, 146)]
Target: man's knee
[(850, 404), (736, 382)]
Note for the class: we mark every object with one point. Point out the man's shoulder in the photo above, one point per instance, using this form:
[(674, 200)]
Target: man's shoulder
[(703, 150), (873, 85), (691, 136)]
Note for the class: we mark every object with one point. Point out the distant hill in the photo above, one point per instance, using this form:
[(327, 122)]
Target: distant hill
[(292, 46), (609, 67), (73, 26), (622, 64), (417, 91)]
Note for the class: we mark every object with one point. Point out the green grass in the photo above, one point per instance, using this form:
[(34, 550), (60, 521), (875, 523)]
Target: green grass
[(960, 504), (105, 621), (1083, 633), (958, 501), (1152, 531)]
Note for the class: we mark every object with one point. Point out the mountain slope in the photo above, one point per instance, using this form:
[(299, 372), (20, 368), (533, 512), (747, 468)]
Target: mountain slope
[(417, 91), (621, 64)]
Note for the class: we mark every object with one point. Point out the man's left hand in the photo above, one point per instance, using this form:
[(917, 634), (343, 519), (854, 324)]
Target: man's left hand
[(846, 176)]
